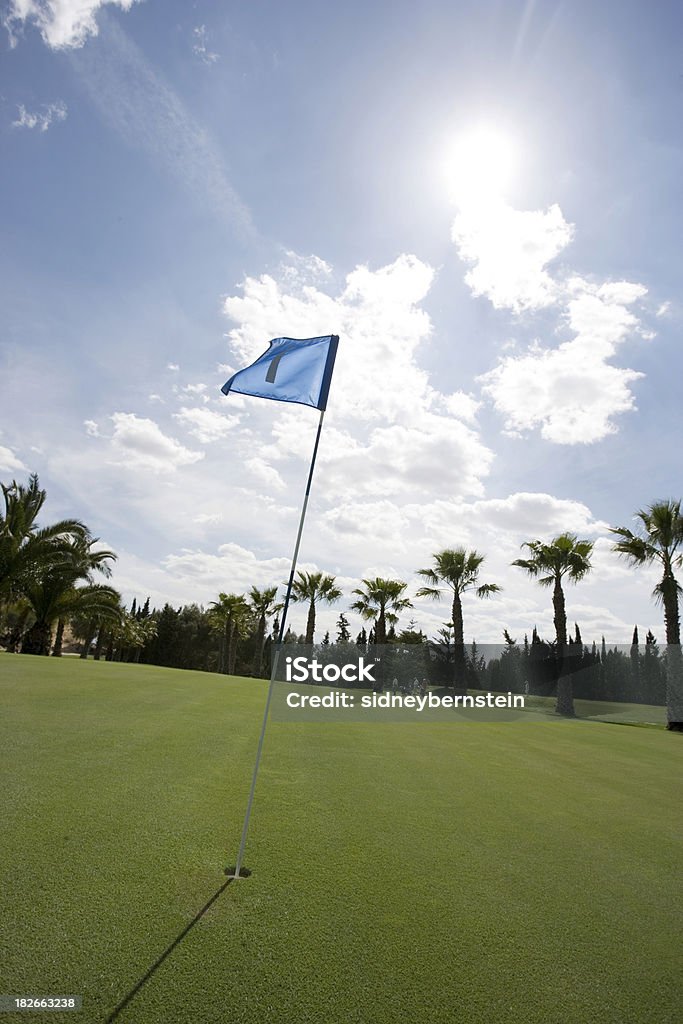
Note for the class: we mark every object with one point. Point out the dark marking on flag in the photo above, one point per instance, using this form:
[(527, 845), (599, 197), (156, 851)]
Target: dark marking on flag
[(272, 369)]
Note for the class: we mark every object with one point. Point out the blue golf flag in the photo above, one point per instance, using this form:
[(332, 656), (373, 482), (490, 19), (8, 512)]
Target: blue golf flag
[(290, 370)]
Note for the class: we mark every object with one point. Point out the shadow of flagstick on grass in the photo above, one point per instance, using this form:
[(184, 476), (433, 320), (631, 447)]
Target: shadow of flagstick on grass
[(128, 998)]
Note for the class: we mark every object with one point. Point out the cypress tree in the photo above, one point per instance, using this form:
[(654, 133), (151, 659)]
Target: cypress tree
[(343, 634)]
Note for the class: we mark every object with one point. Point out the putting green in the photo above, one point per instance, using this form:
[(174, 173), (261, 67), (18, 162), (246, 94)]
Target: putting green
[(521, 872)]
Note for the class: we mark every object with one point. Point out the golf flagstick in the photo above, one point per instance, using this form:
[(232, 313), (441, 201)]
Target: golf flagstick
[(280, 639)]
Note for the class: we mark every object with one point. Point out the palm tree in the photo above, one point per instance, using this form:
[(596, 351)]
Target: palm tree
[(262, 605), (660, 539), (27, 551), (14, 619), (84, 562), (314, 587), (229, 617), (53, 594), (55, 597), (565, 557), (380, 600), (459, 570)]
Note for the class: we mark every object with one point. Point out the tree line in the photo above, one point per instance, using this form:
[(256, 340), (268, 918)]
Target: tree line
[(50, 581), (634, 674)]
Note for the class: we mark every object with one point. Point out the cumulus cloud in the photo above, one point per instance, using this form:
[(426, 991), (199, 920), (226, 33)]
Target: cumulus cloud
[(140, 443), (528, 514), (265, 474), (397, 459), (388, 427), (233, 568), (599, 315), (572, 392), (208, 518), (9, 462), (41, 120), (63, 24), (498, 524), (368, 519), (206, 424), (378, 315), (508, 252), (462, 406)]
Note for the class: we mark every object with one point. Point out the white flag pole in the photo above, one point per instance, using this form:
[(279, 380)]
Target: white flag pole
[(281, 633)]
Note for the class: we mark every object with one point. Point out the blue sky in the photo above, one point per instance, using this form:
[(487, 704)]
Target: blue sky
[(482, 199)]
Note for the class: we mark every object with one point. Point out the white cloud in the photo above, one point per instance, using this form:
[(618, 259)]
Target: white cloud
[(233, 568), (9, 462), (205, 424), (50, 113), (62, 23), (416, 529), (462, 406), (378, 316), (370, 519), (199, 45), (533, 513), (377, 384), (91, 428), (194, 391), (571, 403), (208, 518), (265, 473), (572, 392), (397, 459), (613, 292), (509, 251), (173, 367), (140, 443), (599, 317), (302, 271)]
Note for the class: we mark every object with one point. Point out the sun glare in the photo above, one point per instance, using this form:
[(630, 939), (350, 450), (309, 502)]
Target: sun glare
[(479, 166)]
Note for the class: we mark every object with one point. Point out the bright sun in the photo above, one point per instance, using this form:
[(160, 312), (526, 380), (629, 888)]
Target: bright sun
[(479, 166)]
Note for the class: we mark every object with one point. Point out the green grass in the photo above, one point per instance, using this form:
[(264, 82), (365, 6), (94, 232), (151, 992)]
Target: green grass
[(475, 873), (603, 711)]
